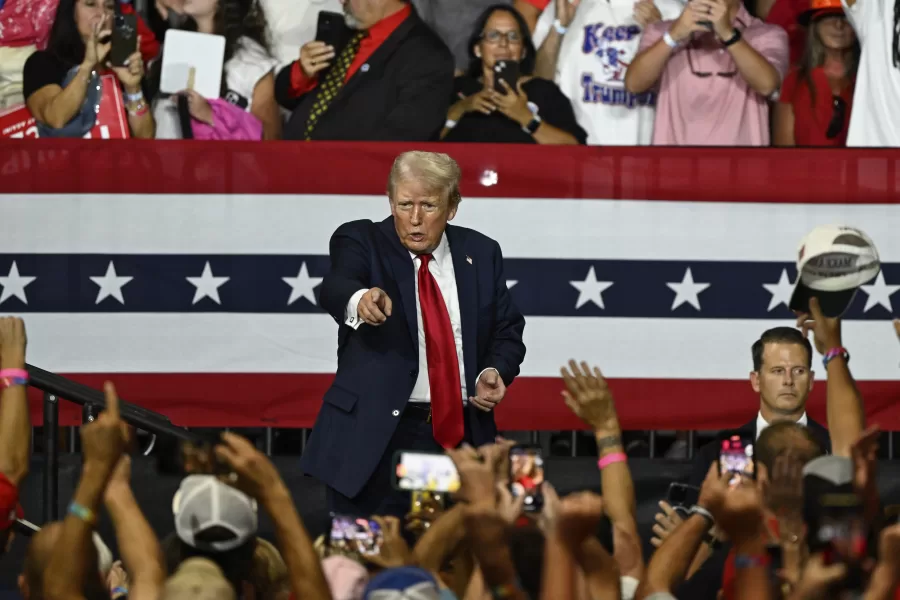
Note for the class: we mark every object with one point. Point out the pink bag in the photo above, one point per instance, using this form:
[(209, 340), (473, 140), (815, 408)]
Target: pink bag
[(229, 123)]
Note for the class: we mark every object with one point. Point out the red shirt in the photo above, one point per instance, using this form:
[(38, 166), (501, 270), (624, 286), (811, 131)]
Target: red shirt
[(784, 13), (9, 503), (539, 4), (378, 33), (811, 121)]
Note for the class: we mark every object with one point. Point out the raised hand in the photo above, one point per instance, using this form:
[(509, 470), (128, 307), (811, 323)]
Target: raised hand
[(104, 440), (512, 103), (826, 330), (667, 521), (95, 52), (489, 391), (692, 20), (587, 395), (374, 307), (476, 477), (716, 12), (394, 549), (646, 13), (565, 11), (315, 57), (817, 578), (579, 515), (132, 72), (255, 474)]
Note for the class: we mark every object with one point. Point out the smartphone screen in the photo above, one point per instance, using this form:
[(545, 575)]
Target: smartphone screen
[(736, 456), (421, 471), (355, 535), (526, 475)]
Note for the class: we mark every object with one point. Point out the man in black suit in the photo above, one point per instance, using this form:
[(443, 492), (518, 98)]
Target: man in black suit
[(428, 339), (782, 376), (387, 76)]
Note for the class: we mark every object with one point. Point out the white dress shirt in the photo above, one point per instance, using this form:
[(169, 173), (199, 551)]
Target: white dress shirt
[(762, 423), (441, 268)]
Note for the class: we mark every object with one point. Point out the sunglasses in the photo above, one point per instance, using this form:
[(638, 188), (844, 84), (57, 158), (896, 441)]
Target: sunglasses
[(838, 117)]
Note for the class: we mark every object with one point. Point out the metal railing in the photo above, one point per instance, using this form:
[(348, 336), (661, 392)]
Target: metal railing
[(56, 388)]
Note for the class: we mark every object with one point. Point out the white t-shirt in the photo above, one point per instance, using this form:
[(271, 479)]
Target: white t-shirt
[(874, 120), (600, 43), (249, 64), (293, 23)]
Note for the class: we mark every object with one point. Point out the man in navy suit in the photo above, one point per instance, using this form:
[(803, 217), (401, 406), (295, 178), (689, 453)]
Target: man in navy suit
[(429, 338)]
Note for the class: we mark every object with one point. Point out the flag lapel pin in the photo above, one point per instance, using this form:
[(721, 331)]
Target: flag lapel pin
[(469, 259)]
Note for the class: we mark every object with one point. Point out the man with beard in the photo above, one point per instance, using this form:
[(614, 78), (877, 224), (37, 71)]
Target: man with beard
[(386, 76)]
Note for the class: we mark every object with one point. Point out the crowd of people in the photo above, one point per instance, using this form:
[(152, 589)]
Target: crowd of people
[(805, 523), (599, 72)]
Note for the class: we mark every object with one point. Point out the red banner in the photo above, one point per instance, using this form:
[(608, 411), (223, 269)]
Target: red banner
[(18, 123)]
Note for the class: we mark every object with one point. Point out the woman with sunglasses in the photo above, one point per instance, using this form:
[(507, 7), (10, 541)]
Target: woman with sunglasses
[(528, 110), (816, 96)]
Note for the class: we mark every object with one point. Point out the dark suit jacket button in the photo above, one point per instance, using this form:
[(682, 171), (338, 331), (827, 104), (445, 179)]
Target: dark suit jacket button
[(413, 372)]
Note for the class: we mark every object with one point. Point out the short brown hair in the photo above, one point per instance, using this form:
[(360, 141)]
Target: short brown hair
[(778, 438), (438, 172)]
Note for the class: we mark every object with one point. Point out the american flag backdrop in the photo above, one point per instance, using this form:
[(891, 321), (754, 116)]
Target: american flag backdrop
[(189, 273)]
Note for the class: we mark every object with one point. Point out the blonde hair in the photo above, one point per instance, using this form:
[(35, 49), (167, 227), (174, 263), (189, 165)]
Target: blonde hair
[(436, 171)]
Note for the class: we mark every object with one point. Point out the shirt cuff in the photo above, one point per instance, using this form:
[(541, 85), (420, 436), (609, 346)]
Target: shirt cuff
[(351, 316), (483, 372), (300, 83)]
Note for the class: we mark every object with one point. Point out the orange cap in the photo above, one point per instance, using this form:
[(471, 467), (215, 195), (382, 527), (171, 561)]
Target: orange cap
[(819, 7)]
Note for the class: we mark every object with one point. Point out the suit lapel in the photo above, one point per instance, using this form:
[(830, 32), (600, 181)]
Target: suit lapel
[(381, 54), (467, 292), (401, 265)]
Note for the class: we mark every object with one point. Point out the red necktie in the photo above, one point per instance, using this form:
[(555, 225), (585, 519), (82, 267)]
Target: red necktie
[(443, 363)]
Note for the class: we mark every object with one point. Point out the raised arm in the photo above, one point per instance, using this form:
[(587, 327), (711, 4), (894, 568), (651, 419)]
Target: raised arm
[(138, 545), (349, 273), (844, 405), (103, 442), (561, 12), (588, 396), (15, 422), (259, 479)]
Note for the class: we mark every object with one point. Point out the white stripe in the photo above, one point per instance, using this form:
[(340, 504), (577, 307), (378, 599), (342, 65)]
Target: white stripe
[(252, 343), (542, 228)]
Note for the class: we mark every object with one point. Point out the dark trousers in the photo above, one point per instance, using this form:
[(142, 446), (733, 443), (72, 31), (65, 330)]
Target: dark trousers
[(378, 496)]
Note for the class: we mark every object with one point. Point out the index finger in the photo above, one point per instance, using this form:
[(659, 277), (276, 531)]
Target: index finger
[(112, 400), (388, 305)]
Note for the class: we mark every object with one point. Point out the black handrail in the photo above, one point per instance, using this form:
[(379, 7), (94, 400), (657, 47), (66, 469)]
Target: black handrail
[(56, 387)]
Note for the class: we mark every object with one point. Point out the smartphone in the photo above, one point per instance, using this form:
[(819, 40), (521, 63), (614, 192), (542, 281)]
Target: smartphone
[(423, 471), (680, 496), (842, 535), (124, 38), (330, 28), (508, 71), (526, 476), (736, 457), (355, 535)]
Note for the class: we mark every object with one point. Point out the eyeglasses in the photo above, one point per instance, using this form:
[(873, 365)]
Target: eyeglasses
[(702, 75), (493, 36), (838, 117)]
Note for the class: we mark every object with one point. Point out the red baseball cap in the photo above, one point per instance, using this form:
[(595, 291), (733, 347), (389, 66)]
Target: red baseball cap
[(820, 8)]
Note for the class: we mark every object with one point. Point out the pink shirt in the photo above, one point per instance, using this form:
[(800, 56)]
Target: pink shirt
[(714, 110)]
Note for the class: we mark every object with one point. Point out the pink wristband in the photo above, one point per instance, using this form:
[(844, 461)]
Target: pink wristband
[(14, 373), (609, 459)]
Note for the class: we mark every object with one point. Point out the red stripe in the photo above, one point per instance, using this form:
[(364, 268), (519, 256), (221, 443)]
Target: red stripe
[(522, 171), (275, 400)]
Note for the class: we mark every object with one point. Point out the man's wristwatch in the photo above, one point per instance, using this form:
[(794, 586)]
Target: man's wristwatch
[(734, 39)]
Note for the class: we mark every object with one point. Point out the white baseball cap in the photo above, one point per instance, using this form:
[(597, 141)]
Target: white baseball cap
[(203, 503), (832, 262)]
